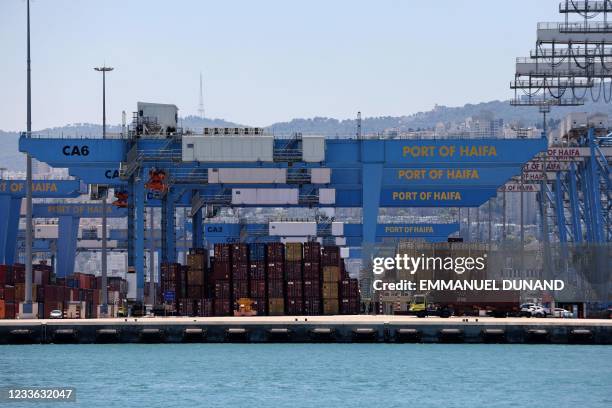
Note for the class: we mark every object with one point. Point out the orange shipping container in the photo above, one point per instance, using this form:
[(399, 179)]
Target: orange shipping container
[(330, 306)]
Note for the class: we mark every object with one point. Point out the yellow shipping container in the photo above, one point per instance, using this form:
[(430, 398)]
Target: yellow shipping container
[(330, 306), (331, 274), (330, 290), (276, 306), (293, 251)]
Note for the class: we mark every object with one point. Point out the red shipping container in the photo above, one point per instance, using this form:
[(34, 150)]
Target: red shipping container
[(293, 270), (7, 293), (275, 288), (240, 271), (294, 289), (222, 289), (222, 307), (18, 273), (349, 288), (4, 272), (312, 289), (258, 289), (257, 270), (275, 270), (312, 307), (312, 252), (7, 310), (294, 307), (185, 307), (221, 271), (349, 306), (195, 291), (240, 289), (204, 307), (275, 251), (240, 253), (331, 255), (312, 271), (222, 252)]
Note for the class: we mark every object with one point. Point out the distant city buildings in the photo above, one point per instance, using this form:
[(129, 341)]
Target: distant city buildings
[(478, 126)]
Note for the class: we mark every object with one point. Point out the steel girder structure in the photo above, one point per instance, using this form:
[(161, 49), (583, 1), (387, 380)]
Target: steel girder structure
[(579, 199)]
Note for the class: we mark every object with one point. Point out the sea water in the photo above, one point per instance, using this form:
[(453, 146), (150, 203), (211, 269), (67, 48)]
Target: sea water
[(314, 375)]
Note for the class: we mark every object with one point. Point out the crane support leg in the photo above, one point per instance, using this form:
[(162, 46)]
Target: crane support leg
[(68, 230)]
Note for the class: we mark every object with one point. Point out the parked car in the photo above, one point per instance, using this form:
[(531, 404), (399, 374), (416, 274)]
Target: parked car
[(534, 310), (56, 314), (526, 309), (559, 312)]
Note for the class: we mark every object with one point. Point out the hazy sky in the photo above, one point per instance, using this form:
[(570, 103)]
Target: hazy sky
[(263, 61)]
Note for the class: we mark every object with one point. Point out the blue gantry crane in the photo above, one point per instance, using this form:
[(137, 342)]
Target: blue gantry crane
[(158, 164)]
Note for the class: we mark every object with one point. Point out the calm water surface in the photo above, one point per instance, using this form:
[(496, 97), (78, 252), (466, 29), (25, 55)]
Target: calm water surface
[(316, 375)]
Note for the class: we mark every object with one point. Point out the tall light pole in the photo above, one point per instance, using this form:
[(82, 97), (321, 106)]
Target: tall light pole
[(104, 300), (27, 309)]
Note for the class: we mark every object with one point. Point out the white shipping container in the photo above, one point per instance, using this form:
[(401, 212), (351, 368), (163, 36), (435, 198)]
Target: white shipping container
[(166, 115), (320, 176), (575, 120), (344, 252), (292, 229), (598, 120), (244, 196), (130, 277), (340, 241), (241, 149), (327, 196), (277, 195), (337, 228), (265, 196), (247, 176), (46, 231), (288, 240), (313, 149)]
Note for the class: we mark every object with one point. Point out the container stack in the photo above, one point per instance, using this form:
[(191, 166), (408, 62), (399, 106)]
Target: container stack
[(7, 293), (294, 304), (350, 301), (312, 278), (77, 295), (172, 283), (257, 278), (220, 280), (275, 254), (240, 272), (331, 277), (197, 264)]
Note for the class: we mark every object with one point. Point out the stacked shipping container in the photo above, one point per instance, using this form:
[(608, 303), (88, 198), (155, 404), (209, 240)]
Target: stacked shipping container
[(312, 278), (257, 278), (293, 276), (275, 254), (331, 277), (221, 280), (52, 293)]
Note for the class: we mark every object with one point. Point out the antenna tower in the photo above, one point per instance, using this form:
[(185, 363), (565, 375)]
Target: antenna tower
[(201, 104)]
